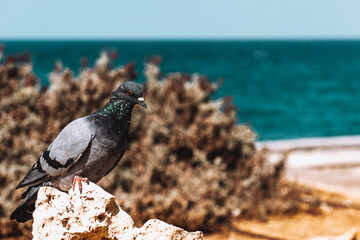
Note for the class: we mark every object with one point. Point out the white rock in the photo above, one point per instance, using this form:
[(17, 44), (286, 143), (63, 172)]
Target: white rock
[(94, 214)]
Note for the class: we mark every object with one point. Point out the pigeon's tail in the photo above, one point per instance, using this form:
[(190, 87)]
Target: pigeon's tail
[(23, 212)]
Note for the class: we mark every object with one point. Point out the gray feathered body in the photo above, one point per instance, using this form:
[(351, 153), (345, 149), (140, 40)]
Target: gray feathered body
[(87, 147), (99, 153)]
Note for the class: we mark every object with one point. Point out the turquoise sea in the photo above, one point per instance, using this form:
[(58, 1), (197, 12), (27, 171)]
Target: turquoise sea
[(283, 89)]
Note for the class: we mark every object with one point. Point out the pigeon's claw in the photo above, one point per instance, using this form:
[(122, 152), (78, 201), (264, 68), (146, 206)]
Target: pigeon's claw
[(78, 180)]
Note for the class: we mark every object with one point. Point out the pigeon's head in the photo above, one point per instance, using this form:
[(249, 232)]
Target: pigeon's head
[(131, 92)]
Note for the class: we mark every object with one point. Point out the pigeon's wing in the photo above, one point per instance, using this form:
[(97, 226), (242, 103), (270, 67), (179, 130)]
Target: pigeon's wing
[(62, 153), (119, 158)]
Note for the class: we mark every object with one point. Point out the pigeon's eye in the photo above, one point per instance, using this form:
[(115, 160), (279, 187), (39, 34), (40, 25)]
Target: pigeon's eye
[(129, 92)]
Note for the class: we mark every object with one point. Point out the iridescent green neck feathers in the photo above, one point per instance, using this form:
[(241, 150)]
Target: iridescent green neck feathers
[(118, 109)]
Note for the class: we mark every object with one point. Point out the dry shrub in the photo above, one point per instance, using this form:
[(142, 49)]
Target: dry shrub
[(188, 162)]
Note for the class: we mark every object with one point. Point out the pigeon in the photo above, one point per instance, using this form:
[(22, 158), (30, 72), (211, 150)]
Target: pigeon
[(87, 149)]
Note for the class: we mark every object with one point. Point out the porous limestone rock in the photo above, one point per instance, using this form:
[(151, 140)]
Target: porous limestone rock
[(94, 214)]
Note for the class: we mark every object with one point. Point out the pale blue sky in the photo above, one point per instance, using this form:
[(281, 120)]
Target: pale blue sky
[(235, 19)]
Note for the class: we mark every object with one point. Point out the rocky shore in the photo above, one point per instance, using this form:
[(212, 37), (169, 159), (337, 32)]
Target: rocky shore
[(329, 163)]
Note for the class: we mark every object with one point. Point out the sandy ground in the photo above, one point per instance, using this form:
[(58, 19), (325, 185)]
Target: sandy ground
[(302, 226), (331, 166)]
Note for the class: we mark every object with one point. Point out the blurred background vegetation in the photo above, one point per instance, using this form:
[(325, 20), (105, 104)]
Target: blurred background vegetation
[(188, 162)]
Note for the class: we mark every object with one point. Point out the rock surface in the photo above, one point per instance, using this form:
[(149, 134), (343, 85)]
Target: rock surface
[(94, 214)]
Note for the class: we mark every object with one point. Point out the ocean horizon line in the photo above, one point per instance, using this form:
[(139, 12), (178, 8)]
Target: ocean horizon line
[(185, 39)]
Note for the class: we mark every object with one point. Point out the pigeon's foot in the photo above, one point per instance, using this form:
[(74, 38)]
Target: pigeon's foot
[(78, 180)]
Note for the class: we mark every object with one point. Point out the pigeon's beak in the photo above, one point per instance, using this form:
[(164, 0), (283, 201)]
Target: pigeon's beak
[(141, 101)]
